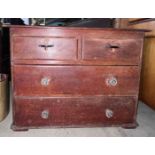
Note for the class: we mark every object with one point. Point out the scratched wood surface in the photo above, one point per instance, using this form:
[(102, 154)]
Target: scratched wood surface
[(75, 76)]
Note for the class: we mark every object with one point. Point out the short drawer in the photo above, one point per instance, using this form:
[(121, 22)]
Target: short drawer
[(91, 111), (34, 80), (112, 51), (44, 48)]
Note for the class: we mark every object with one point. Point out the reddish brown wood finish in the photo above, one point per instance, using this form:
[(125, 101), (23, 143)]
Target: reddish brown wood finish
[(74, 80), (67, 84), (82, 111), (49, 48), (126, 51)]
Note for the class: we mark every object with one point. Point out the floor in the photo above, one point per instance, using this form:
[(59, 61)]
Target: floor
[(146, 128)]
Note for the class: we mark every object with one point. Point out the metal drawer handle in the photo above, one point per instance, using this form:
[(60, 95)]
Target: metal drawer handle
[(112, 81), (109, 113), (45, 81), (112, 45), (45, 114), (46, 46)]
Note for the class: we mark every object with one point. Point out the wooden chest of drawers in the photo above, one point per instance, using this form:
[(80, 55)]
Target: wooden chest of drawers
[(75, 77)]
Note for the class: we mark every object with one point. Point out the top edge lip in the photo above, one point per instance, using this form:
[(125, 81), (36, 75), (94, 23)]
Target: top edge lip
[(80, 28)]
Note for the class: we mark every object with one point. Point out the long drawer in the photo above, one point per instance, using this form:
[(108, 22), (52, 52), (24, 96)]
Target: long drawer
[(112, 51), (91, 111), (34, 80), (44, 48)]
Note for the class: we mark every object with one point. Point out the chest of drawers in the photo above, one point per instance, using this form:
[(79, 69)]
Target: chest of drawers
[(75, 77)]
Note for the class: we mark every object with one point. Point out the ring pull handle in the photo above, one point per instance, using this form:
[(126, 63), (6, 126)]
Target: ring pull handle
[(111, 81), (45, 114), (45, 81), (109, 113), (46, 46)]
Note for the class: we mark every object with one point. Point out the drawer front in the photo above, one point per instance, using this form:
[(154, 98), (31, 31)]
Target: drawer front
[(31, 80), (91, 111), (112, 51), (44, 48)]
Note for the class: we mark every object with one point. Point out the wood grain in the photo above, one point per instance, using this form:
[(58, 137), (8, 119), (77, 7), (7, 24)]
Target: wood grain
[(74, 111), (148, 73), (125, 51), (48, 48), (147, 85), (89, 78), (145, 25), (74, 80)]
